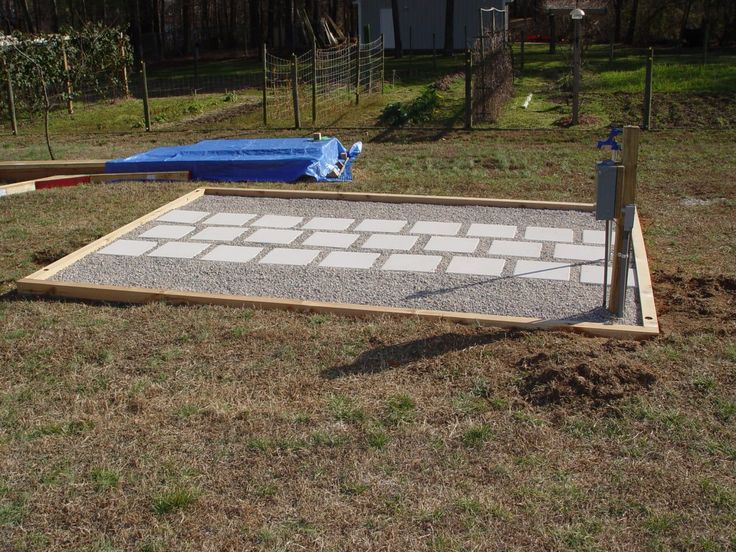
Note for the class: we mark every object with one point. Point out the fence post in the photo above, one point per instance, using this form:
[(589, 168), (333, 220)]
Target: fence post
[(482, 39), (626, 196), (295, 91), (11, 101), (434, 51), (146, 106), (357, 73), (68, 81), (123, 57), (314, 82), (552, 34), (383, 67), (706, 39), (576, 74), (523, 41), (468, 89), (367, 34), (265, 86), (196, 66), (648, 91)]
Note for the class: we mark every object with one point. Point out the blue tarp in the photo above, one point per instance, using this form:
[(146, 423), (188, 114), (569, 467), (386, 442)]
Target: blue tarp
[(264, 160)]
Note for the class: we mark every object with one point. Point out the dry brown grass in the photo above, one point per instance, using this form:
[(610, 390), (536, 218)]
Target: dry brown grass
[(204, 428)]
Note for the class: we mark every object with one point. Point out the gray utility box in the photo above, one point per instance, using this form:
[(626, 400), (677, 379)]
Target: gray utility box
[(605, 190)]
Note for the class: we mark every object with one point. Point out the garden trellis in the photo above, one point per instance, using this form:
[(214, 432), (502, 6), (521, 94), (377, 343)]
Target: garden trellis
[(320, 80)]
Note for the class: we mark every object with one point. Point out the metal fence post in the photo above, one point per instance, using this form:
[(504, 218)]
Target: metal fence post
[(383, 64), (314, 82), (265, 86), (648, 91), (468, 89), (295, 91), (357, 73), (146, 106)]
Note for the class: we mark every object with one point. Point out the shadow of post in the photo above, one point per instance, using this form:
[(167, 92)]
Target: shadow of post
[(388, 357)]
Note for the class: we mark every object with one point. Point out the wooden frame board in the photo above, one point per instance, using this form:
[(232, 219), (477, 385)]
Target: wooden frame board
[(61, 180), (41, 282)]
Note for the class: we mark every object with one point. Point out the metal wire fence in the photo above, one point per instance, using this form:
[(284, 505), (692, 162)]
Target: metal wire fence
[(321, 80)]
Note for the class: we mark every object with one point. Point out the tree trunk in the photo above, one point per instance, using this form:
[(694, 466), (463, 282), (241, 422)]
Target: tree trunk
[(23, 5), (395, 11), (158, 34), (630, 33), (55, 16), (449, 27)]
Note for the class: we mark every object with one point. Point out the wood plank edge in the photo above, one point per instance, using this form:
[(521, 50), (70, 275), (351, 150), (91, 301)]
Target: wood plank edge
[(646, 290), (118, 294), (397, 198), (82, 252)]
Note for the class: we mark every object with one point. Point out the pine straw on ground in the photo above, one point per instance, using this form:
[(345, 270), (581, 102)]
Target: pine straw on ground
[(161, 427)]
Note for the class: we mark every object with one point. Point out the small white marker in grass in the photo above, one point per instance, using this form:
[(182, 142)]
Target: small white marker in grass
[(528, 100)]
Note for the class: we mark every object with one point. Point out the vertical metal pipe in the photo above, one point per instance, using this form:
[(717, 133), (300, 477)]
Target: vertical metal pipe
[(265, 86), (576, 75), (357, 73), (314, 83), (468, 89), (295, 91)]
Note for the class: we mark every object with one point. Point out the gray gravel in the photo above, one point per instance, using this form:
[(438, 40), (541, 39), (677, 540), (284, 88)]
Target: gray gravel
[(502, 295)]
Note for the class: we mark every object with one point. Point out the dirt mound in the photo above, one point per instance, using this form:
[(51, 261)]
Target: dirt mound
[(595, 377)]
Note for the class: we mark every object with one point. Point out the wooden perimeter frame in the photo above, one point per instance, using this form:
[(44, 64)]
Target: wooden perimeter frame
[(40, 282), (60, 180)]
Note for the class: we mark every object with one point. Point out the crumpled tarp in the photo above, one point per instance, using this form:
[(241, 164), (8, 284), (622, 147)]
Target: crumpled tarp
[(260, 160)]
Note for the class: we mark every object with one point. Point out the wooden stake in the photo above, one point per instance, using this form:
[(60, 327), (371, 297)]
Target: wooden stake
[(648, 91), (123, 59), (68, 83), (146, 106), (626, 184), (11, 100)]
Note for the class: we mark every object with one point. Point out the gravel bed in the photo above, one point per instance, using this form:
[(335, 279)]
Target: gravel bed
[(503, 295)]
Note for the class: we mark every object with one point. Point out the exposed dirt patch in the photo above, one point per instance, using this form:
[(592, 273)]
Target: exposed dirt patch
[(218, 116), (566, 121), (567, 376), (685, 302)]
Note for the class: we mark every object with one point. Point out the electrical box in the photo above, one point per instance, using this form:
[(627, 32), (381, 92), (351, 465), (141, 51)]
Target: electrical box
[(605, 190)]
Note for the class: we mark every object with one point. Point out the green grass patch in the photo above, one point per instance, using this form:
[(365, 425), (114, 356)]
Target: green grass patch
[(170, 501)]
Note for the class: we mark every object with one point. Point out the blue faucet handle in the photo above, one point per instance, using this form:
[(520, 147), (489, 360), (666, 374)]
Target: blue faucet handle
[(611, 140)]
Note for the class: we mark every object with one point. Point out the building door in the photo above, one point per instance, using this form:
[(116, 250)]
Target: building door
[(387, 28)]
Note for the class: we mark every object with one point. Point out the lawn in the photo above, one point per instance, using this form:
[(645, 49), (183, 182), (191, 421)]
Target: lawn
[(686, 95), (160, 427)]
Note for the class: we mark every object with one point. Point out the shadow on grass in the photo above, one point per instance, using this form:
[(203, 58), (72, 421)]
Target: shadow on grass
[(392, 356)]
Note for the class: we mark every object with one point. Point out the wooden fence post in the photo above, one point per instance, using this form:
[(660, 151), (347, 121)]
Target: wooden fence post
[(11, 101), (146, 105), (123, 59), (68, 81), (648, 91), (468, 89), (265, 86), (626, 188), (295, 91)]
